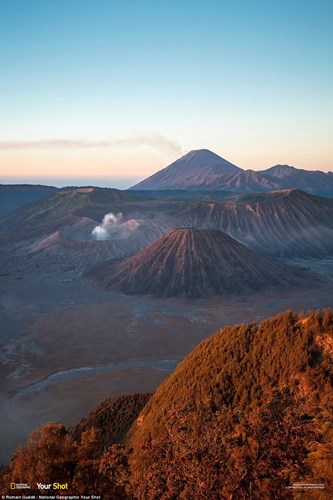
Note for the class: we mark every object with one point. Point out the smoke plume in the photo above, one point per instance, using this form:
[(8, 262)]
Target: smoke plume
[(112, 227)]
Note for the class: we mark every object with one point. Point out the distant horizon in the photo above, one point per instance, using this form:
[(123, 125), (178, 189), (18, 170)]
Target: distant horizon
[(117, 182)]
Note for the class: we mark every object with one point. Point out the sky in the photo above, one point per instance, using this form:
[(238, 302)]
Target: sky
[(107, 92)]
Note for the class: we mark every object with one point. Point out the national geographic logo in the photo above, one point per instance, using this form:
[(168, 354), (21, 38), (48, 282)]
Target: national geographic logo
[(19, 486)]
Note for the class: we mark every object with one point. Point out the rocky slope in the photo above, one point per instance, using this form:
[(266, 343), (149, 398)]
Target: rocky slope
[(193, 263), (284, 223)]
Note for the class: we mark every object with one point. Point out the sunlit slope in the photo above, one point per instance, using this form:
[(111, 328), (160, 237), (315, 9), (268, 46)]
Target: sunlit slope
[(240, 365), (192, 263)]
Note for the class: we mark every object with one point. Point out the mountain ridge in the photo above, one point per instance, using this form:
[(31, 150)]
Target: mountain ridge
[(198, 162), (281, 223), (204, 170)]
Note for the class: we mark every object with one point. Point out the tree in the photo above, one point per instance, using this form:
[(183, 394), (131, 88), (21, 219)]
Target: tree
[(209, 453), (49, 456)]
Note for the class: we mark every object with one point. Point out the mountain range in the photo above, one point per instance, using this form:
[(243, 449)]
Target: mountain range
[(60, 227), (202, 170)]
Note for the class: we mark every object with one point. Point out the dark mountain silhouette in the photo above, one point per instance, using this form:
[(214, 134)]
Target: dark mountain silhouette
[(315, 182), (192, 263), (196, 169), (203, 170), (13, 196)]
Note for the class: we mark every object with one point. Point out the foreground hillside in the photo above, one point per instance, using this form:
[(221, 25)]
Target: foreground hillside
[(248, 414), (112, 418), (240, 365)]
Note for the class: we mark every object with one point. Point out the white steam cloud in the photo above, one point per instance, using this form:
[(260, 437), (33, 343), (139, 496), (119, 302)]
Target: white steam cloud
[(104, 230), (112, 227)]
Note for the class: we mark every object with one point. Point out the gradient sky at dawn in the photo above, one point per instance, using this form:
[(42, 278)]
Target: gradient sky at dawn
[(110, 91)]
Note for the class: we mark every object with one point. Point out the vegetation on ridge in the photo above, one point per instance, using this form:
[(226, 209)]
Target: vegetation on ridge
[(248, 414), (112, 418)]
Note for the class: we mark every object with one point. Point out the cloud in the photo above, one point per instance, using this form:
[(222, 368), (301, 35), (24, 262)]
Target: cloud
[(155, 141)]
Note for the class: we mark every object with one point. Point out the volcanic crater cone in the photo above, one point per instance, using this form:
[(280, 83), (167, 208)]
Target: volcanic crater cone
[(193, 263)]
